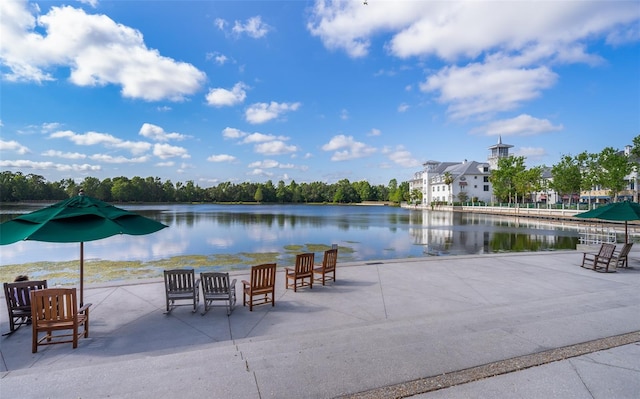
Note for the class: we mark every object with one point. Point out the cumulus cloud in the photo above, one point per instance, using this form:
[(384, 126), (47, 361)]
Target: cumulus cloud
[(264, 112), (521, 125), (498, 55), (98, 50), (374, 132), (27, 164), (401, 156), (232, 133), (66, 155), (275, 147), (220, 97), (156, 133), (221, 158), (117, 159), (346, 148), (13, 146), (261, 138), (96, 138), (165, 151), (265, 164)]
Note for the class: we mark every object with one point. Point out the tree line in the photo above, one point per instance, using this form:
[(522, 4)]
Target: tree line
[(606, 170), (16, 186)]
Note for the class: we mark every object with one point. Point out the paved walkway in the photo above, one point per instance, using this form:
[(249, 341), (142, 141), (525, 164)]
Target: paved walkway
[(427, 327)]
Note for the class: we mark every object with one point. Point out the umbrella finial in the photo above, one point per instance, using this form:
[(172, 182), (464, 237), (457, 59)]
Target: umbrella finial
[(81, 192)]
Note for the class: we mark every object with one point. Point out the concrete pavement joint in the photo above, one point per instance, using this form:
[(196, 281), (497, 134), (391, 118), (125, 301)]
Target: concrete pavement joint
[(446, 380)]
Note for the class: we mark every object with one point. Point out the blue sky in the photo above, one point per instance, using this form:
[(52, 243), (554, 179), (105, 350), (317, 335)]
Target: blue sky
[(215, 91)]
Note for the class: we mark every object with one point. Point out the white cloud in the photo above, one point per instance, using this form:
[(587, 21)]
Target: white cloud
[(27, 164), (275, 147), (118, 160), (374, 132), (165, 151), (157, 133), (218, 58), (346, 148), (403, 107), (232, 133), (13, 146), (253, 27), (221, 158), (98, 50), (260, 172), (96, 138), (66, 155), (344, 114), (530, 152), (261, 138), (220, 97), (266, 164), (263, 112), (521, 125), (498, 54), (402, 157), (482, 89)]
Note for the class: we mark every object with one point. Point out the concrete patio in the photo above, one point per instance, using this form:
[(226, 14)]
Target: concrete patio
[(383, 329)]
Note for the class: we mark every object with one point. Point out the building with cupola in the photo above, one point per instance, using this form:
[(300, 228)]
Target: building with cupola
[(466, 181)]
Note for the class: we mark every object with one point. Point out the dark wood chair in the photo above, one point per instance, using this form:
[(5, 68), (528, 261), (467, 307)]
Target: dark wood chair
[(261, 288), (181, 285), (620, 259), (217, 288), (56, 309), (601, 260), (300, 272), (18, 296), (327, 270)]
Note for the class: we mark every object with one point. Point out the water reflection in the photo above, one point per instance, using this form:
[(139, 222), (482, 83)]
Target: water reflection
[(373, 232)]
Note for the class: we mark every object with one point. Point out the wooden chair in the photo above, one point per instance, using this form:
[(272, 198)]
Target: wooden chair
[(601, 260), (18, 296), (302, 270), (620, 259), (56, 309), (216, 288), (261, 288), (181, 285), (327, 267)]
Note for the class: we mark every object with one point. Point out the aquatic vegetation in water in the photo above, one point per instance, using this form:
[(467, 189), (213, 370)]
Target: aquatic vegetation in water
[(100, 270)]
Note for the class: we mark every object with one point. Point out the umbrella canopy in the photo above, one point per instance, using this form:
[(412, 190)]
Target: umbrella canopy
[(615, 211), (76, 219)]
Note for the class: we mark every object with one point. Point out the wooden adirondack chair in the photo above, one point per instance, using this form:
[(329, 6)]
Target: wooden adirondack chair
[(56, 309), (600, 260), (181, 285), (216, 288), (18, 296), (303, 270), (620, 259), (261, 288), (327, 270)]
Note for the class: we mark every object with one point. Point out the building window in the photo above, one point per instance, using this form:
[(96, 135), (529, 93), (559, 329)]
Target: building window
[(486, 187), (475, 186), (486, 179), (485, 169), (475, 177)]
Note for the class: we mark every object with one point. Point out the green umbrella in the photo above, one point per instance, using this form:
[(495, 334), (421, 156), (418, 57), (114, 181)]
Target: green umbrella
[(76, 219), (615, 211)]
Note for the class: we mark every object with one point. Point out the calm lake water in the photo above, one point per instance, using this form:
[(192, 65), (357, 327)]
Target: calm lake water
[(370, 232)]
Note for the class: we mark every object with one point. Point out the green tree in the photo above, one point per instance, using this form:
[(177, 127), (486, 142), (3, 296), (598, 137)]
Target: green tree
[(258, 195), (567, 176), (505, 177), (614, 167)]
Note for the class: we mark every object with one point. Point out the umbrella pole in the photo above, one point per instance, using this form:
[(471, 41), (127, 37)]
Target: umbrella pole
[(81, 273), (626, 233)]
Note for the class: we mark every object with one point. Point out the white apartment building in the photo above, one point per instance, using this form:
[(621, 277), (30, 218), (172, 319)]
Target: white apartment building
[(470, 178)]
